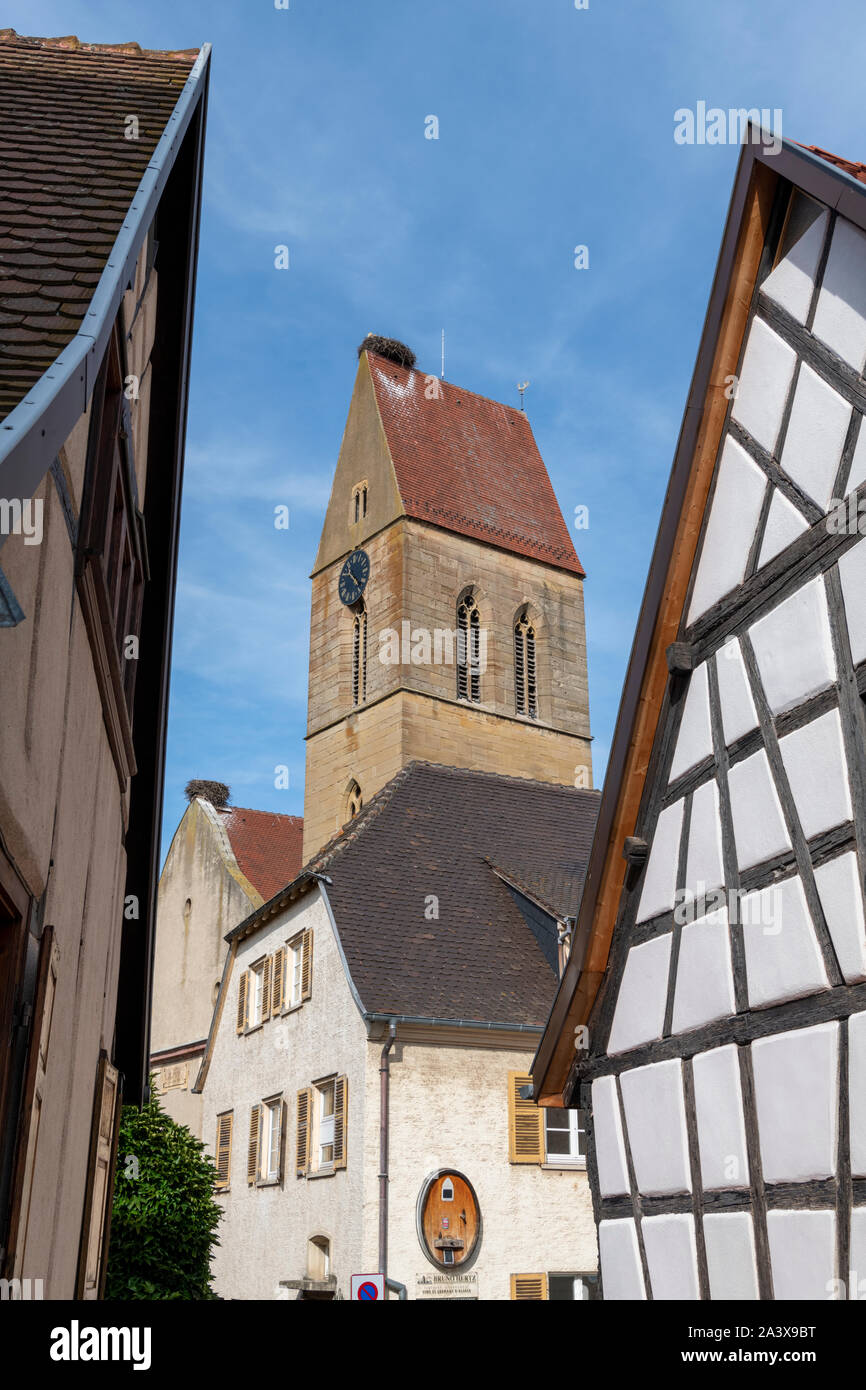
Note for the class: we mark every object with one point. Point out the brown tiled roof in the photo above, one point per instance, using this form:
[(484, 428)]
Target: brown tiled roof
[(857, 171), (267, 846), (429, 834), (67, 178), (470, 465)]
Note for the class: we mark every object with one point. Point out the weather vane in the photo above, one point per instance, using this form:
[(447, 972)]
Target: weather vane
[(521, 386)]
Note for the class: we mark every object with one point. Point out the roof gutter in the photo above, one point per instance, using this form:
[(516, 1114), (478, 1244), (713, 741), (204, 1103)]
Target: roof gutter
[(35, 430), (455, 1023)]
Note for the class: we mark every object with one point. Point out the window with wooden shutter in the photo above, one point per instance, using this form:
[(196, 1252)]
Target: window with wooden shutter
[(302, 1131), (265, 1012), (243, 992), (272, 1140), (525, 1123), (341, 1119), (100, 1174), (278, 982), (307, 965), (224, 1148), (253, 1148), (31, 1106), (529, 1287)]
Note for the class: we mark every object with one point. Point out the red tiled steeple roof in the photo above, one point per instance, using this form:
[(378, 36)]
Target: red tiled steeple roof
[(267, 846), (470, 465)]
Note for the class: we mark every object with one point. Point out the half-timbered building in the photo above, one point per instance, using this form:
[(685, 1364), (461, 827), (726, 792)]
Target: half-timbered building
[(712, 1017)]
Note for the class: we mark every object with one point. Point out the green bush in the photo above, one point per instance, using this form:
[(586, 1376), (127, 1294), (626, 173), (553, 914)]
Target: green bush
[(164, 1217)]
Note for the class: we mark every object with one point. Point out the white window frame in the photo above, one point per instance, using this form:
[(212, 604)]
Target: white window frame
[(325, 1123), (295, 950), (255, 997), (272, 1125), (572, 1159)]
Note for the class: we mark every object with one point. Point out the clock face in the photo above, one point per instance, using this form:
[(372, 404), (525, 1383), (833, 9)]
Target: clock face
[(354, 576)]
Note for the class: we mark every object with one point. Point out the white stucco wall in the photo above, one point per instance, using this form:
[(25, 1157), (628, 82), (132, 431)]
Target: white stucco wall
[(265, 1230)]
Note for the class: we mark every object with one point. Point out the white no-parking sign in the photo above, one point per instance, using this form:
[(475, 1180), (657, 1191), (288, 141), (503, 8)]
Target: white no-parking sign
[(368, 1287)]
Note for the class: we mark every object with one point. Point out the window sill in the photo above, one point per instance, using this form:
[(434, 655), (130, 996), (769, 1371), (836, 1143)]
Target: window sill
[(293, 1008), (322, 1173), (566, 1166), (253, 1028), (267, 1182)]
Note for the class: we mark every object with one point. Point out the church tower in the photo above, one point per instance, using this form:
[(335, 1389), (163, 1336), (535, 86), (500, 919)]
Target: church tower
[(447, 608)]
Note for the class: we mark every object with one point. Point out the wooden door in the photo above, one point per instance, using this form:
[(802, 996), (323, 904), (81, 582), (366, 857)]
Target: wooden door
[(450, 1219)]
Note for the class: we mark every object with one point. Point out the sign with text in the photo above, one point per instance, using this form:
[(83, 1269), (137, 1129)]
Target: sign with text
[(446, 1286)]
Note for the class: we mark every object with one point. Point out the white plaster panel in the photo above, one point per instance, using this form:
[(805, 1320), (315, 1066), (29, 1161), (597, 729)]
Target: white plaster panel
[(639, 1014), (802, 1253), (731, 1266), (840, 315), (815, 436), (738, 707), (784, 525), (695, 736), (792, 282), (719, 1111), (656, 1122), (794, 649), (671, 1256), (621, 1271), (814, 759), (838, 883), (660, 875), (759, 826), (857, 474), (704, 869), (705, 987), (734, 513), (857, 1094), (796, 1099), (852, 571), (765, 376), (782, 956), (857, 1260), (609, 1142)]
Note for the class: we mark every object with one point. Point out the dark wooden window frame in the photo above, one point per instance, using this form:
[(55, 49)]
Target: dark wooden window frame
[(111, 569)]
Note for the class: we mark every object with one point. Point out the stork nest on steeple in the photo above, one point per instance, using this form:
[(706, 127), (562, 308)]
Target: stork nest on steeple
[(389, 348), (217, 793)]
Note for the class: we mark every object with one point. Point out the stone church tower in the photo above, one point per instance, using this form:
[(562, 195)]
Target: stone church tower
[(447, 608)]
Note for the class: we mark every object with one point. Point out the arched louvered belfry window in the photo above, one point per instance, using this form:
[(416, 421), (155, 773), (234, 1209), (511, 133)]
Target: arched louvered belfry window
[(525, 667), (468, 649), (354, 801), (359, 653)]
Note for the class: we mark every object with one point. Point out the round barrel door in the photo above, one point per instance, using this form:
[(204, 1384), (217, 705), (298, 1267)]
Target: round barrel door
[(450, 1220)]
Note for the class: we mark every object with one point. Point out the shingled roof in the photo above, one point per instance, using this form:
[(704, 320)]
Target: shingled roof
[(442, 833), (470, 465), (267, 846), (68, 175)]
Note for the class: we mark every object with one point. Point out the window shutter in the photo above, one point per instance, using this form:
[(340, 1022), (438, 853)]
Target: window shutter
[(243, 991), (525, 1123), (307, 965), (266, 990), (304, 1106), (278, 984), (97, 1206), (531, 1287), (255, 1137), (34, 1087), (224, 1148), (341, 1116)]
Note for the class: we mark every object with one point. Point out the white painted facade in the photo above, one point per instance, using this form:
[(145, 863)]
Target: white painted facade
[(448, 1109)]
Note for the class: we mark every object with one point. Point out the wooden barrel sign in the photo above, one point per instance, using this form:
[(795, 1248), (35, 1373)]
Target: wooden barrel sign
[(450, 1221)]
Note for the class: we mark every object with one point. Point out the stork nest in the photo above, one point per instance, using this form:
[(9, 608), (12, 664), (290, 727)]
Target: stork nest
[(389, 348), (217, 793)]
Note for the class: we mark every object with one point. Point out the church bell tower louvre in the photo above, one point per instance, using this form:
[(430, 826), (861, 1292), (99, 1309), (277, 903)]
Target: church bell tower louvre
[(447, 618)]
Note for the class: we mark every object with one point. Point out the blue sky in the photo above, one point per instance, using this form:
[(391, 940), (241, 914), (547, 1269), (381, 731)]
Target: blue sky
[(555, 129)]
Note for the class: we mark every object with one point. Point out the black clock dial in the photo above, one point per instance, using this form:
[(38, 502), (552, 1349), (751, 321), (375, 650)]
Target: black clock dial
[(354, 576)]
